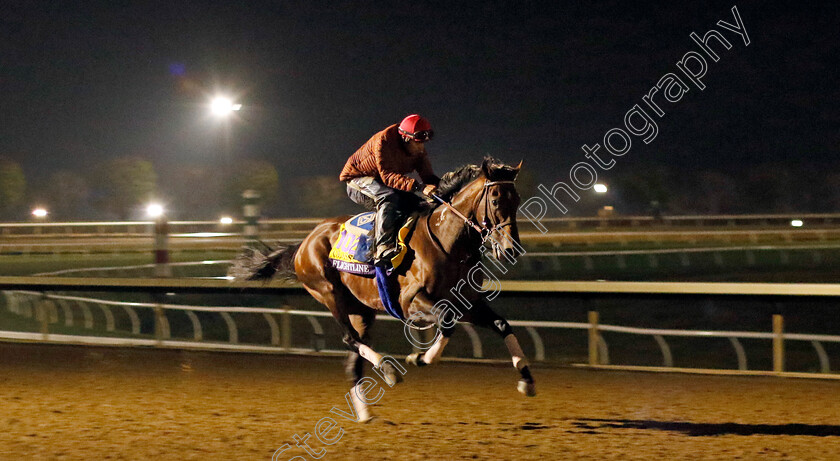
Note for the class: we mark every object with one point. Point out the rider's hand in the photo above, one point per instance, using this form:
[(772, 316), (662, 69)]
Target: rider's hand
[(429, 190)]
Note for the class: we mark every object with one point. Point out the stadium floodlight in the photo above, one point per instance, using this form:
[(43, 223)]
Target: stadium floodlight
[(222, 106), (40, 213), (796, 223), (226, 220), (600, 188), (154, 210)]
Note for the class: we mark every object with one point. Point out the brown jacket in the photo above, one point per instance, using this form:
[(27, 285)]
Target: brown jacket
[(385, 158)]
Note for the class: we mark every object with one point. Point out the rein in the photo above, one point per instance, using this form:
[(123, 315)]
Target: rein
[(451, 208), (483, 230)]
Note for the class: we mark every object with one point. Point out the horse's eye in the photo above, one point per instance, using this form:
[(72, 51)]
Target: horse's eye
[(495, 202)]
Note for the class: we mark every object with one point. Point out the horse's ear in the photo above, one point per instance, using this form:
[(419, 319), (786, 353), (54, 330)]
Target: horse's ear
[(485, 167), (517, 168)]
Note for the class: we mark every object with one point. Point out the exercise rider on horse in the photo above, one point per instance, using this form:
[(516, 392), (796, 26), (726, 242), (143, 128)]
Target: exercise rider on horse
[(376, 178)]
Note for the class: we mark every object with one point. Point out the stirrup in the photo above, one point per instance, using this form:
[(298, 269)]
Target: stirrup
[(383, 262), (383, 259)]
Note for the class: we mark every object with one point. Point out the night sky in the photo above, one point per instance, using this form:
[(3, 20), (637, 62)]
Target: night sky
[(86, 81)]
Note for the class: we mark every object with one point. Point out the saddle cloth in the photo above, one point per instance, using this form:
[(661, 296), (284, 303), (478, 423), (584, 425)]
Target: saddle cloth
[(353, 251)]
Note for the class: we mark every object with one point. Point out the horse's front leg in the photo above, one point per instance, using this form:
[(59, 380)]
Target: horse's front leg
[(434, 353), (483, 316), (422, 303)]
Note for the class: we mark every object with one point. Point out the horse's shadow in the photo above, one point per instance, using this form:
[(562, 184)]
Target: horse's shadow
[(712, 429)]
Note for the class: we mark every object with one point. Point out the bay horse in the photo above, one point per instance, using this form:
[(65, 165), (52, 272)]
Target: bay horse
[(438, 286)]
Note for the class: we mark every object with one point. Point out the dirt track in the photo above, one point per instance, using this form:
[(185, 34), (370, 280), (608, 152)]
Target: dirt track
[(83, 403)]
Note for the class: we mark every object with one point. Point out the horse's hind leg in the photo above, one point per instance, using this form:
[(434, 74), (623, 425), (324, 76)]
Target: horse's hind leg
[(326, 287), (386, 367), (339, 302), (343, 306), (355, 364), (483, 316)]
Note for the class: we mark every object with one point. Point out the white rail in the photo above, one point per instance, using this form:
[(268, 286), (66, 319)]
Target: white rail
[(128, 269), (42, 307)]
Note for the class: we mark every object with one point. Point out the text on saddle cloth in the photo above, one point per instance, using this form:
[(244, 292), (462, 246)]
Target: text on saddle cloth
[(352, 252)]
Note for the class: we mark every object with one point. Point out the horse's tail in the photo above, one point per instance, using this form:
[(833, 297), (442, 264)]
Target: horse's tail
[(265, 263)]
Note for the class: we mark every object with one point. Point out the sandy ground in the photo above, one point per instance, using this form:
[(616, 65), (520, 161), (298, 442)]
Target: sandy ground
[(84, 403)]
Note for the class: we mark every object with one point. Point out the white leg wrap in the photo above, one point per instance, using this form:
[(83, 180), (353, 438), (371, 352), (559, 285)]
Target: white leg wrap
[(362, 411), (518, 357), (433, 354), (370, 355)]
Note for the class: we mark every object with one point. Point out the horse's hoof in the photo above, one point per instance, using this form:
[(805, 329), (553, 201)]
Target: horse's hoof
[(527, 388), (391, 374), (414, 359)]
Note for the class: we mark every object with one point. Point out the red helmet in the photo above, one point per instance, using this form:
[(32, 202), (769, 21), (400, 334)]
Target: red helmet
[(416, 128)]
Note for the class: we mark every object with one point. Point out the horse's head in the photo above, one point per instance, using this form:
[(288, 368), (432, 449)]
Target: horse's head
[(487, 196), (496, 207)]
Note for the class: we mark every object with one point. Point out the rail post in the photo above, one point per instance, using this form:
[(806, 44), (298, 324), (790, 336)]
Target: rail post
[(593, 338), (162, 268), (285, 329), (158, 320), (43, 316), (251, 212), (778, 344)]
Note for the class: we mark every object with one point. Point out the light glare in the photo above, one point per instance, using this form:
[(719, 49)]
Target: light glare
[(154, 210), (226, 220), (223, 106), (796, 223), (39, 213), (600, 188)]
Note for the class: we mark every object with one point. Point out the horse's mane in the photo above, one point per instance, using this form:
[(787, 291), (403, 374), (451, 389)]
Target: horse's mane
[(455, 180), (452, 182)]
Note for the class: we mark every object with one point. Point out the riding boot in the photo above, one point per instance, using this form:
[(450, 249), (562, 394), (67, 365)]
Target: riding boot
[(386, 223)]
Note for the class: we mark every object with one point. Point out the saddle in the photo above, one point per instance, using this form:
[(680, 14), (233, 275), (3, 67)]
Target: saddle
[(353, 251)]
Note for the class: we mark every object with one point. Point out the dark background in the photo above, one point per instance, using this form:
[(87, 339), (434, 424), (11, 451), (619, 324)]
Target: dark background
[(87, 81)]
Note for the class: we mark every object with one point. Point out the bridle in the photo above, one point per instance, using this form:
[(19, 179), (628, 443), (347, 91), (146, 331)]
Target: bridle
[(485, 229), (487, 226)]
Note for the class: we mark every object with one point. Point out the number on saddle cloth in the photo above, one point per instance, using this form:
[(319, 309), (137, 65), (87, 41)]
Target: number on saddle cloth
[(361, 227), (352, 251), (351, 254)]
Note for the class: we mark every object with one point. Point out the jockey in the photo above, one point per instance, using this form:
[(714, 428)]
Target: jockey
[(376, 178)]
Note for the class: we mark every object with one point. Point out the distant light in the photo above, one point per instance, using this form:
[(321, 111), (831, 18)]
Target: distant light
[(600, 188), (178, 68), (226, 220), (223, 106), (796, 223), (154, 210), (201, 235), (39, 213)]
